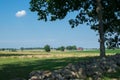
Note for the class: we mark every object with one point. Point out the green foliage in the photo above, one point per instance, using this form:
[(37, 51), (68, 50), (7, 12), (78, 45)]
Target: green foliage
[(71, 47), (54, 9), (2, 49), (22, 48), (87, 13), (13, 50), (113, 42), (47, 48), (62, 48), (102, 15), (8, 49)]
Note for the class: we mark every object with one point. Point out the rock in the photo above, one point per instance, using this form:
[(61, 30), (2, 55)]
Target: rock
[(92, 68), (56, 76), (39, 75), (34, 78)]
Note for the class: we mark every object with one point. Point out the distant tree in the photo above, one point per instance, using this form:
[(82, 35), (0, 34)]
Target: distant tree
[(47, 48), (14, 50), (22, 48), (62, 48), (71, 47), (74, 47), (3, 49)]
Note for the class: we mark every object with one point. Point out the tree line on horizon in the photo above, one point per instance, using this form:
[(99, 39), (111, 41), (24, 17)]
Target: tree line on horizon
[(47, 48)]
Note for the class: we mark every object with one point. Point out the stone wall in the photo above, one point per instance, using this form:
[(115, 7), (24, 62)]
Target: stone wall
[(93, 68)]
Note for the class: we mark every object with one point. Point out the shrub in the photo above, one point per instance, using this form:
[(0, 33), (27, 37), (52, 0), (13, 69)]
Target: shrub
[(62, 48), (47, 48)]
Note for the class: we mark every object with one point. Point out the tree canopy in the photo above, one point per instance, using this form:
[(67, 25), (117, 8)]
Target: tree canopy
[(47, 48), (58, 9), (51, 10)]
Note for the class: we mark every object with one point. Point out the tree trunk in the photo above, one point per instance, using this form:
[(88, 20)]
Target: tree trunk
[(101, 31)]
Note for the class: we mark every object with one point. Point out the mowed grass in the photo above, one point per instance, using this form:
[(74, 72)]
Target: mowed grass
[(20, 64)]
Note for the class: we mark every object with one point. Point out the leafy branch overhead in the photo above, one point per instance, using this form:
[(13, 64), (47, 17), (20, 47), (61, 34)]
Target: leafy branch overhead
[(58, 9), (102, 15)]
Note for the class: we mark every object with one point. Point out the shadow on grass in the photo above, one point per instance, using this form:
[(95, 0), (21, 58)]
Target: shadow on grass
[(16, 70)]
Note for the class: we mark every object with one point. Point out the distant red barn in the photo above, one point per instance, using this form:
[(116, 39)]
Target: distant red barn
[(80, 49)]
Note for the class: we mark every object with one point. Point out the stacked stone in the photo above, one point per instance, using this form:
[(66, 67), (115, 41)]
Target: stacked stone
[(92, 69)]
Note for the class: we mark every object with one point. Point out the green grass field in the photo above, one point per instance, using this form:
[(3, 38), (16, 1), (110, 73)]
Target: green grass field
[(20, 64)]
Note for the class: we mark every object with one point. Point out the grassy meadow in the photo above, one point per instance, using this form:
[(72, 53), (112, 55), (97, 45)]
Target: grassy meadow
[(21, 63)]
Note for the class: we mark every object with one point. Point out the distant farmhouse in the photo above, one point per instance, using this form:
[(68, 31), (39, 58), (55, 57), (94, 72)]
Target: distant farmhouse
[(80, 48)]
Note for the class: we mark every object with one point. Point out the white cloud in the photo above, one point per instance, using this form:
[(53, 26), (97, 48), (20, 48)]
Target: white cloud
[(20, 13)]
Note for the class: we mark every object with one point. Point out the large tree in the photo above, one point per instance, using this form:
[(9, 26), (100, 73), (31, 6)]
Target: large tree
[(102, 15)]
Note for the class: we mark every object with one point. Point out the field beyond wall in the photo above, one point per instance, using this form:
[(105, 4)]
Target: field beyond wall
[(21, 63)]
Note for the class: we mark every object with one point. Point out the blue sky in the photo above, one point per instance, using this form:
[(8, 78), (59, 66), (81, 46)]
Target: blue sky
[(24, 30)]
